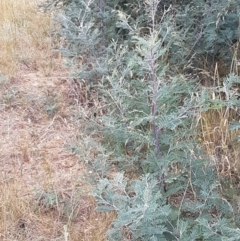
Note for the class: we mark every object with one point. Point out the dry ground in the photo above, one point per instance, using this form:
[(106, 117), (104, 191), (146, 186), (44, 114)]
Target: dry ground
[(44, 194)]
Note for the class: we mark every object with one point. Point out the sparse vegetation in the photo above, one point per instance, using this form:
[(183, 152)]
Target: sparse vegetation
[(44, 194), (119, 120)]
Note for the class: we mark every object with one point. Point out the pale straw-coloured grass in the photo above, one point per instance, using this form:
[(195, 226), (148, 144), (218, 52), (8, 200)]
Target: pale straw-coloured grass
[(44, 192), (25, 38), (221, 144)]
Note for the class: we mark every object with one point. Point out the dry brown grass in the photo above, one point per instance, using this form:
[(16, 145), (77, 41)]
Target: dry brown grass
[(44, 194), (25, 38), (220, 143)]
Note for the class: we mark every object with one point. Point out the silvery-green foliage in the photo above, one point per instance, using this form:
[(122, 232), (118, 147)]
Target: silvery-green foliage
[(150, 123), (211, 98), (142, 212), (202, 28), (140, 206), (139, 82), (83, 34), (208, 28)]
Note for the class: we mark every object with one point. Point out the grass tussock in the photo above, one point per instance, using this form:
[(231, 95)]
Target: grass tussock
[(222, 144), (25, 38)]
